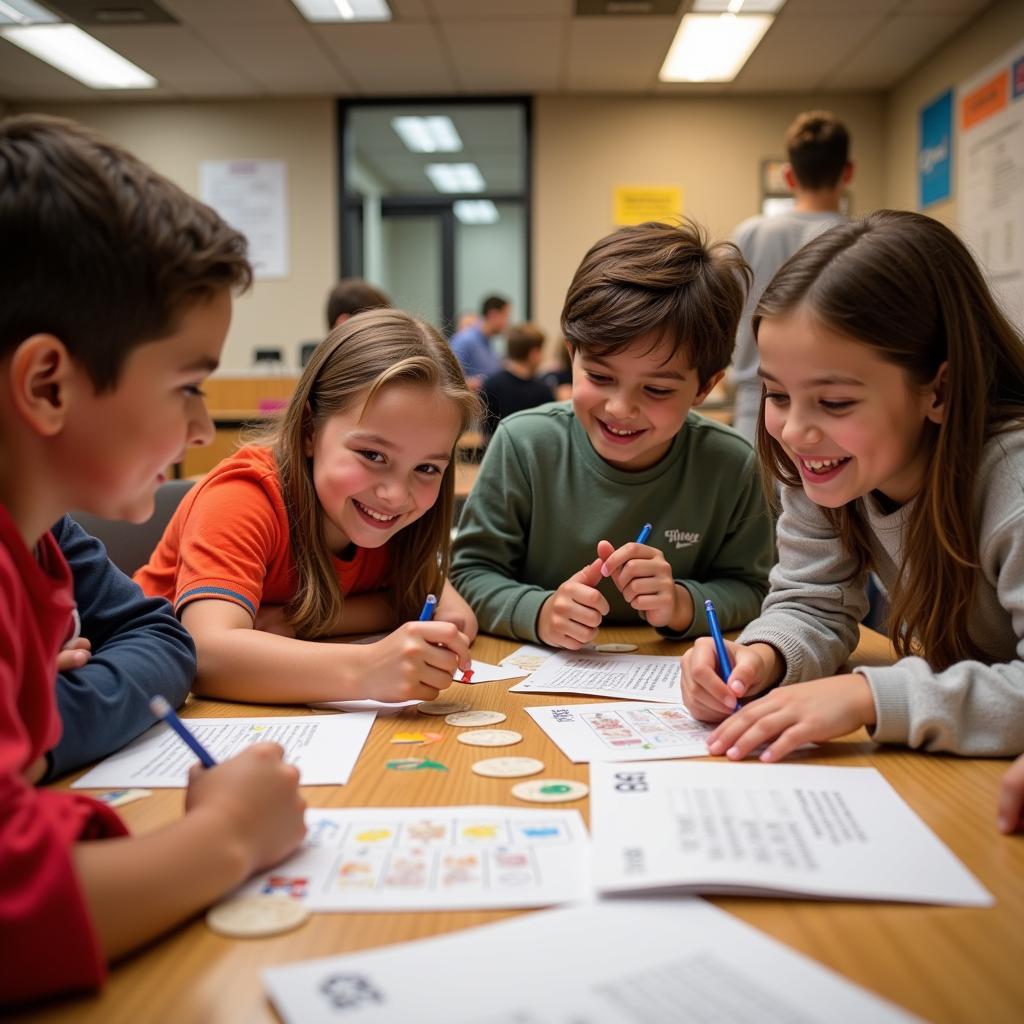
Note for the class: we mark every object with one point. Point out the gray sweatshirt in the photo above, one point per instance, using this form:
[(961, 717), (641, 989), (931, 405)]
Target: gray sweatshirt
[(811, 613)]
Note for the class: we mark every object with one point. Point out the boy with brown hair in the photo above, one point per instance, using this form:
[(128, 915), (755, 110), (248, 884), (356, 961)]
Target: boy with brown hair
[(115, 297), (516, 385), (650, 319)]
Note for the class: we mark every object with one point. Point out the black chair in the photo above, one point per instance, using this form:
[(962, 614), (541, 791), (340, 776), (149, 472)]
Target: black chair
[(306, 350), (267, 355), (129, 545)]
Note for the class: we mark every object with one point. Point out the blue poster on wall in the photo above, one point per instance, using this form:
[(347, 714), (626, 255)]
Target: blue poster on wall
[(935, 151)]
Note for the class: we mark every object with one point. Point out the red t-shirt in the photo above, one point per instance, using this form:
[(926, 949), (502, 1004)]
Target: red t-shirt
[(229, 539), (46, 935)]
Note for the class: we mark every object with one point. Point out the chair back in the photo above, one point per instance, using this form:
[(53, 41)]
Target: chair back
[(129, 545)]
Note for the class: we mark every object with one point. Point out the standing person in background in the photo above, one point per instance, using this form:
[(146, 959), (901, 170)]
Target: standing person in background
[(353, 295), (818, 170), (516, 386), (472, 345)]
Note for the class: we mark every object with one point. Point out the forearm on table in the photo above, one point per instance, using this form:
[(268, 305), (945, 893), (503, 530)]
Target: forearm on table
[(249, 665)]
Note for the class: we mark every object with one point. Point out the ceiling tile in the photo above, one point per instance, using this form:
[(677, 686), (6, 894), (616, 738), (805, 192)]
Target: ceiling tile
[(391, 58), (234, 12), (801, 52), (483, 67), (617, 54), (890, 54), (503, 9)]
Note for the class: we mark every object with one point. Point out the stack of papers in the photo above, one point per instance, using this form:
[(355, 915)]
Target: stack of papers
[(645, 677)]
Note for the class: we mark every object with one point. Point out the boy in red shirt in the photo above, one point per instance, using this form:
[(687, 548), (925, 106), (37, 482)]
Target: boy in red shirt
[(115, 297)]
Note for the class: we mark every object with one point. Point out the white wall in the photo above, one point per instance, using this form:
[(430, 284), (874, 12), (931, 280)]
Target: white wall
[(174, 138)]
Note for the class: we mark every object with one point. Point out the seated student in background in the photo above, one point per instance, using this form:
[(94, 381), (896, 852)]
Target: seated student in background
[(516, 386), (650, 317), (352, 295), (559, 377), (129, 648), (893, 416), (115, 297), (473, 345), (339, 524), (1010, 813)]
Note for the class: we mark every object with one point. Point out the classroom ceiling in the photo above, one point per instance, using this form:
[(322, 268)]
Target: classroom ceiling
[(212, 49)]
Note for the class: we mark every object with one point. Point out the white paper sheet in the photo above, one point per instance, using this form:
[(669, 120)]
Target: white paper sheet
[(435, 858), (528, 658), (641, 962), (485, 672), (645, 677), (323, 747), (623, 732), (785, 830)]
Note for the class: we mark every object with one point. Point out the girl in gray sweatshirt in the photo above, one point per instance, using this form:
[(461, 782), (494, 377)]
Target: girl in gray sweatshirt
[(892, 422)]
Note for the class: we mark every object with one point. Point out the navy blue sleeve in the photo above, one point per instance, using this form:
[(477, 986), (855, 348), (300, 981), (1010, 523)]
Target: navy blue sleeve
[(139, 649)]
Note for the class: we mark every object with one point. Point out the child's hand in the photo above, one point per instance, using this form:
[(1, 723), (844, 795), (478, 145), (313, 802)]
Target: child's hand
[(75, 655), (1011, 798), (452, 607), (791, 716), (644, 579), (415, 662), (256, 795), (706, 695), (572, 615)]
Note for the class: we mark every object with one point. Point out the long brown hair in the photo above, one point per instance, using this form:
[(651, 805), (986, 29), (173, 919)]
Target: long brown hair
[(906, 286), (369, 352)]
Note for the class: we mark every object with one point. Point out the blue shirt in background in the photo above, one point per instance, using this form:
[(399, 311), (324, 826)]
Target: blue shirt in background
[(473, 350)]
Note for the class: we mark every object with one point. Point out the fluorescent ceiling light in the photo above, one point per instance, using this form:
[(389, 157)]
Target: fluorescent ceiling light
[(24, 12), (344, 10), (736, 6), (79, 55), (434, 134), (475, 211), (713, 47), (456, 177)]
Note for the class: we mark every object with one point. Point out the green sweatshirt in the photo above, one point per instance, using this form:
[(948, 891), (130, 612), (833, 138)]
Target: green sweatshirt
[(544, 498)]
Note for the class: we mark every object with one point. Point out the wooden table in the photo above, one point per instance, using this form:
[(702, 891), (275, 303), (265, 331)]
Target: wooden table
[(944, 964)]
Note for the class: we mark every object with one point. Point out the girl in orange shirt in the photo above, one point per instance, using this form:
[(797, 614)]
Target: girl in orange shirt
[(338, 524)]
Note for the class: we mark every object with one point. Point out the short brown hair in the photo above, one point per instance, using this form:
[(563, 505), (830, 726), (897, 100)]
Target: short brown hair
[(522, 340), (659, 277), (818, 146), (353, 295), (98, 249)]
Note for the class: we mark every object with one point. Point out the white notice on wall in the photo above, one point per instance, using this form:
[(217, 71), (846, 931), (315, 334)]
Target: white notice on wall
[(767, 829), (252, 196), (990, 181)]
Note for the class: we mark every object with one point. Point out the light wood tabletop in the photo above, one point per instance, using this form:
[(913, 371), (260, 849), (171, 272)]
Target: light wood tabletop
[(944, 964)]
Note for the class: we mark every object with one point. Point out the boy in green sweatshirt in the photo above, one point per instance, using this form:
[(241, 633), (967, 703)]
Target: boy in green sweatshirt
[(544, 550)]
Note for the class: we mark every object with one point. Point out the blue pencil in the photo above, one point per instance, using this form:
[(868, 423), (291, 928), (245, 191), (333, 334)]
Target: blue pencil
[(428, 608), (644, 534), (724, 665), (159, 706)]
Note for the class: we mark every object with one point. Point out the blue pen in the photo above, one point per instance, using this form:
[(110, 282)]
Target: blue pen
[(644, 534), (724, 665), (428, 608), (159, 706)]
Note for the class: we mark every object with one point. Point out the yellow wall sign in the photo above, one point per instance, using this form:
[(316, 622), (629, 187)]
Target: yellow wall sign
[(635, 204)]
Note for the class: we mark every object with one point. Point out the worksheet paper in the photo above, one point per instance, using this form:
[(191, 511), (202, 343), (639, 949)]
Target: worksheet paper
[(434, 858), (614, 962), (323, 747), (645, 677), (623, 732), (779, 830)]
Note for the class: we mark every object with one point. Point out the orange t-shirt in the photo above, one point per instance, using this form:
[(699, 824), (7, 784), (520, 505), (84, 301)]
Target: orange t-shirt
[(228, 539)]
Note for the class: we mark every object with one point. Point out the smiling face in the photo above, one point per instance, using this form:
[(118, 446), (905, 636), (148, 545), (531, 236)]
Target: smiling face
[(633, 402), (117, 445), (848, 419), (378, 467)]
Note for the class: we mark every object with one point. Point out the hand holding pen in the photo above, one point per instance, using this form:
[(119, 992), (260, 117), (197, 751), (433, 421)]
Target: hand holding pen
[(426, 615), (645, 579)]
